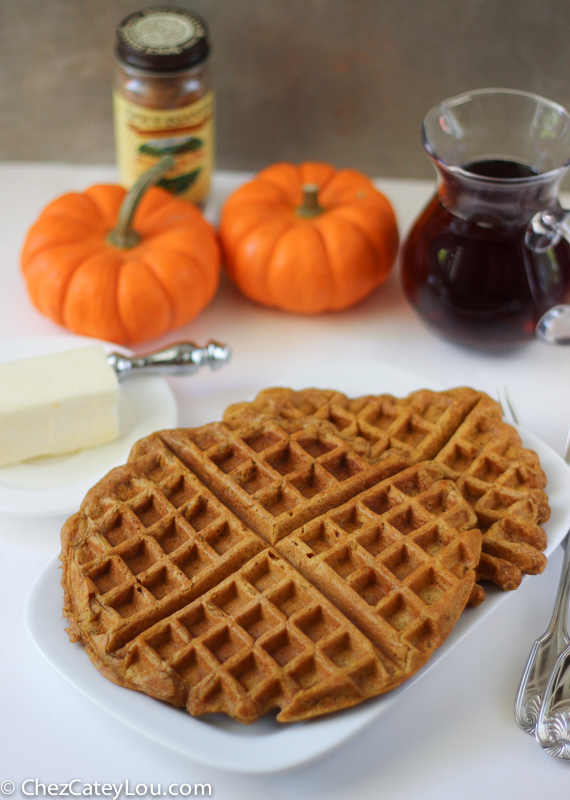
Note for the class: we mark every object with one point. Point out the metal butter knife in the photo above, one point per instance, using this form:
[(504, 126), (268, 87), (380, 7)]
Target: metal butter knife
[(183, 358)]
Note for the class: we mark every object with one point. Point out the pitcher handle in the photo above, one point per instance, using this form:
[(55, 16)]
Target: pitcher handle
[(546, 229)]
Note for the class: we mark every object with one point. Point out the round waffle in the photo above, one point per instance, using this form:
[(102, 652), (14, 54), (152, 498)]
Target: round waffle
[(173, 584), (307, 553)]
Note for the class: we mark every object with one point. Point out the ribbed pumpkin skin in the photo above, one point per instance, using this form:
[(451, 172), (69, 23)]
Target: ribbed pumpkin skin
[(308, 266), (122, 295)]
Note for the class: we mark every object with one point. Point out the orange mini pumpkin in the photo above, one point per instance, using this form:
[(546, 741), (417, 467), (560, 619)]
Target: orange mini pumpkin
[(87, 269), (309, 238)]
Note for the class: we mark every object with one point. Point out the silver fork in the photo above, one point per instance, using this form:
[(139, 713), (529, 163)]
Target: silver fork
[(553, 723), (542, 703)]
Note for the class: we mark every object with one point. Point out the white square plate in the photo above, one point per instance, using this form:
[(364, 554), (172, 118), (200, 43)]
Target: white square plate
[(267, 746)]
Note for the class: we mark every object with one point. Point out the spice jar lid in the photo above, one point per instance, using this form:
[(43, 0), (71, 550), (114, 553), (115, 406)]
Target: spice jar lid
[(163, 39)]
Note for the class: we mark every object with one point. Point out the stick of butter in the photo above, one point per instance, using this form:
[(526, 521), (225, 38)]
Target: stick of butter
[(57, 404)]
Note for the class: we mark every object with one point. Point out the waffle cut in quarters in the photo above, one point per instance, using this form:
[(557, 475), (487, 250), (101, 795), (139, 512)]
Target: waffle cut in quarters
[(418, 425), (398, 560), (503, 482), (172, 594), (275, 480)]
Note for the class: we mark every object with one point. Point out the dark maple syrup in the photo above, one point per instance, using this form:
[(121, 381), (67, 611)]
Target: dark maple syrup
[(500, 168), (472, 279)]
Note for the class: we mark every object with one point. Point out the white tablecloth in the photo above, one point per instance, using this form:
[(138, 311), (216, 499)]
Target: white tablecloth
[(453, 733)]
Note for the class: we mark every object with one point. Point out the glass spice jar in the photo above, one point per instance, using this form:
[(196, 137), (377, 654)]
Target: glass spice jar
[(163, 101)]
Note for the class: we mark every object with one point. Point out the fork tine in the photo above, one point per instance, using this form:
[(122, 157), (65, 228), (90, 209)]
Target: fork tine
[(509, 403), (500, 401), (506, 404)]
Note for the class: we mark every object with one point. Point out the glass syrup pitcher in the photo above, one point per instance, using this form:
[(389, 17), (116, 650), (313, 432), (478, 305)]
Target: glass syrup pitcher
[(486, 258)]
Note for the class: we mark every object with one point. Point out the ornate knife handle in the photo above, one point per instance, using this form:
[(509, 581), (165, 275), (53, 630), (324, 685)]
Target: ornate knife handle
[(537, 688), (183, 358)]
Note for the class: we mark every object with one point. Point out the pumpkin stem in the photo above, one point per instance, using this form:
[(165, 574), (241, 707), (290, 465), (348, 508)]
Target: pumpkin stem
[(310, 207), (123, 235)]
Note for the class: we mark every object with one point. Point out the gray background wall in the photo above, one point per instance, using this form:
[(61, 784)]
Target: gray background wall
[(345, 81)]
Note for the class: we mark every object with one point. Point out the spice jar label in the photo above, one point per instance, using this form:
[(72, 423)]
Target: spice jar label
[(145, 135)]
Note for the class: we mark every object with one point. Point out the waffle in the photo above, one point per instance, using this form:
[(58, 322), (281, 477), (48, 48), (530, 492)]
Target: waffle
[(504, 484), (149, 539), (419, 425), (277, 481), (173, 585), (463, 431), (391, 557)]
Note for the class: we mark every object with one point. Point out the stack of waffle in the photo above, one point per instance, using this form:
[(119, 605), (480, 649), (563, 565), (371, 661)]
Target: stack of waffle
[(304, 555)]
